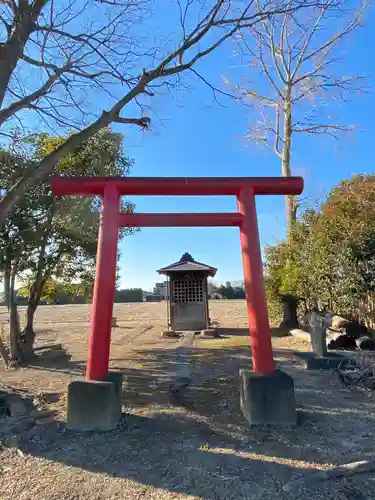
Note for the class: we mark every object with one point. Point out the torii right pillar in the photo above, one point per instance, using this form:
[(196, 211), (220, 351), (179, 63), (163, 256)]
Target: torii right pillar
[(267, 394)]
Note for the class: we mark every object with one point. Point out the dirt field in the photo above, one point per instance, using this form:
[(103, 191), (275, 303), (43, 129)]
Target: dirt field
[(195, 446)]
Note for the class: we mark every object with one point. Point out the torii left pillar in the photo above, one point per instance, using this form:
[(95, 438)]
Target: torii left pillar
[(97, 406), (105, 280)]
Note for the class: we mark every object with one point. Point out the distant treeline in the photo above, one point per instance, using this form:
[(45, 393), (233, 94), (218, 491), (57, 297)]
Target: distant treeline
[(129, 295), (60, 294), (228, 291), (55, 293)]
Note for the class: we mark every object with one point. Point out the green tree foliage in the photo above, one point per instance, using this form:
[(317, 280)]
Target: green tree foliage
[(59, 293), (228, 291), (48, 239), (129, 295), (330, 258)]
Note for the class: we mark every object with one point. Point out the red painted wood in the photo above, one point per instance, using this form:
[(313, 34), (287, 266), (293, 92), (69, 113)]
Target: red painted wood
[(180, 220), (104, 288), (260, 334), (245, 188), (181, 186)]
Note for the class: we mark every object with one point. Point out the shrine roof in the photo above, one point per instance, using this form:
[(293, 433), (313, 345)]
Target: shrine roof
[(187, 264)]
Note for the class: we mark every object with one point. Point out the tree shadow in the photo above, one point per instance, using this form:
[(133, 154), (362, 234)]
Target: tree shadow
[(277, 331), (335, 426), (244, 332), (241, 332), (170, 452), (326, 411), (44, 331), (56, 360)]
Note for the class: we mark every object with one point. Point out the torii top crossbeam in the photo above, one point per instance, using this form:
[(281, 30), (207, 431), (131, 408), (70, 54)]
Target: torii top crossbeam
[(180, 186)]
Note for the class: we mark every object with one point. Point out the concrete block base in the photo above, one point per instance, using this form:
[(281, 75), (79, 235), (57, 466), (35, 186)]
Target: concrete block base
[(210, 333), (311, 361), (95, 405), (169, 334), (267, 399)]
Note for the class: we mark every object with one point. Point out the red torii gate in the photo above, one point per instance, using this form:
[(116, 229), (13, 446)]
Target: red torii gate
[(111, 188)]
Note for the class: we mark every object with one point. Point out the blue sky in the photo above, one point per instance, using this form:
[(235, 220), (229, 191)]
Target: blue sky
[(197, 137), (192, 135)]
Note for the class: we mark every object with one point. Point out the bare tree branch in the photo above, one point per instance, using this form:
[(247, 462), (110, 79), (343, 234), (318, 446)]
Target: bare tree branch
[(142, 122), (324, 129), (309, 36), (278, 139), (59, 57), (299, 57)]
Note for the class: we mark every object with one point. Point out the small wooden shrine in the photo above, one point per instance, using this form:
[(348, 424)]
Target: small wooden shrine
[(188, 294)]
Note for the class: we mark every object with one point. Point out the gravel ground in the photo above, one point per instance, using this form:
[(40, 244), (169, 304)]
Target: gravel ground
[(194, 445)]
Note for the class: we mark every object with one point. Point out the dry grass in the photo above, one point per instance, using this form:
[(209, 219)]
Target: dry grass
[(195, 446)]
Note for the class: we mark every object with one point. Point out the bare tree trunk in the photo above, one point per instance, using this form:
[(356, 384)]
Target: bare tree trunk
[(14, 334), (12, 51), (29, 333), (4, 354), (291, 213), (290, 202), (36, 291), (30, 312), (7, 284), (14, 326), (290, 319), (290, 302)]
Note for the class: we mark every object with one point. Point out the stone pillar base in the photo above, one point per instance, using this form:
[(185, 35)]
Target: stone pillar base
[(267, 399), (210, 333), (311, 361), (95, 405), (169, 334)]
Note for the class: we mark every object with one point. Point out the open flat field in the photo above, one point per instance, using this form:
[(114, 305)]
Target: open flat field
[(195, 446)]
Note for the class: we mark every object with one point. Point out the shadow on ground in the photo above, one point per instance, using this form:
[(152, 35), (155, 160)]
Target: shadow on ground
[(197, 442), (244, 332), (56, 359), (166, 452)]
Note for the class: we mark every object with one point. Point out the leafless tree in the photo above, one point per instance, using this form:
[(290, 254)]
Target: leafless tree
[(298, 58), (60, 59)]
